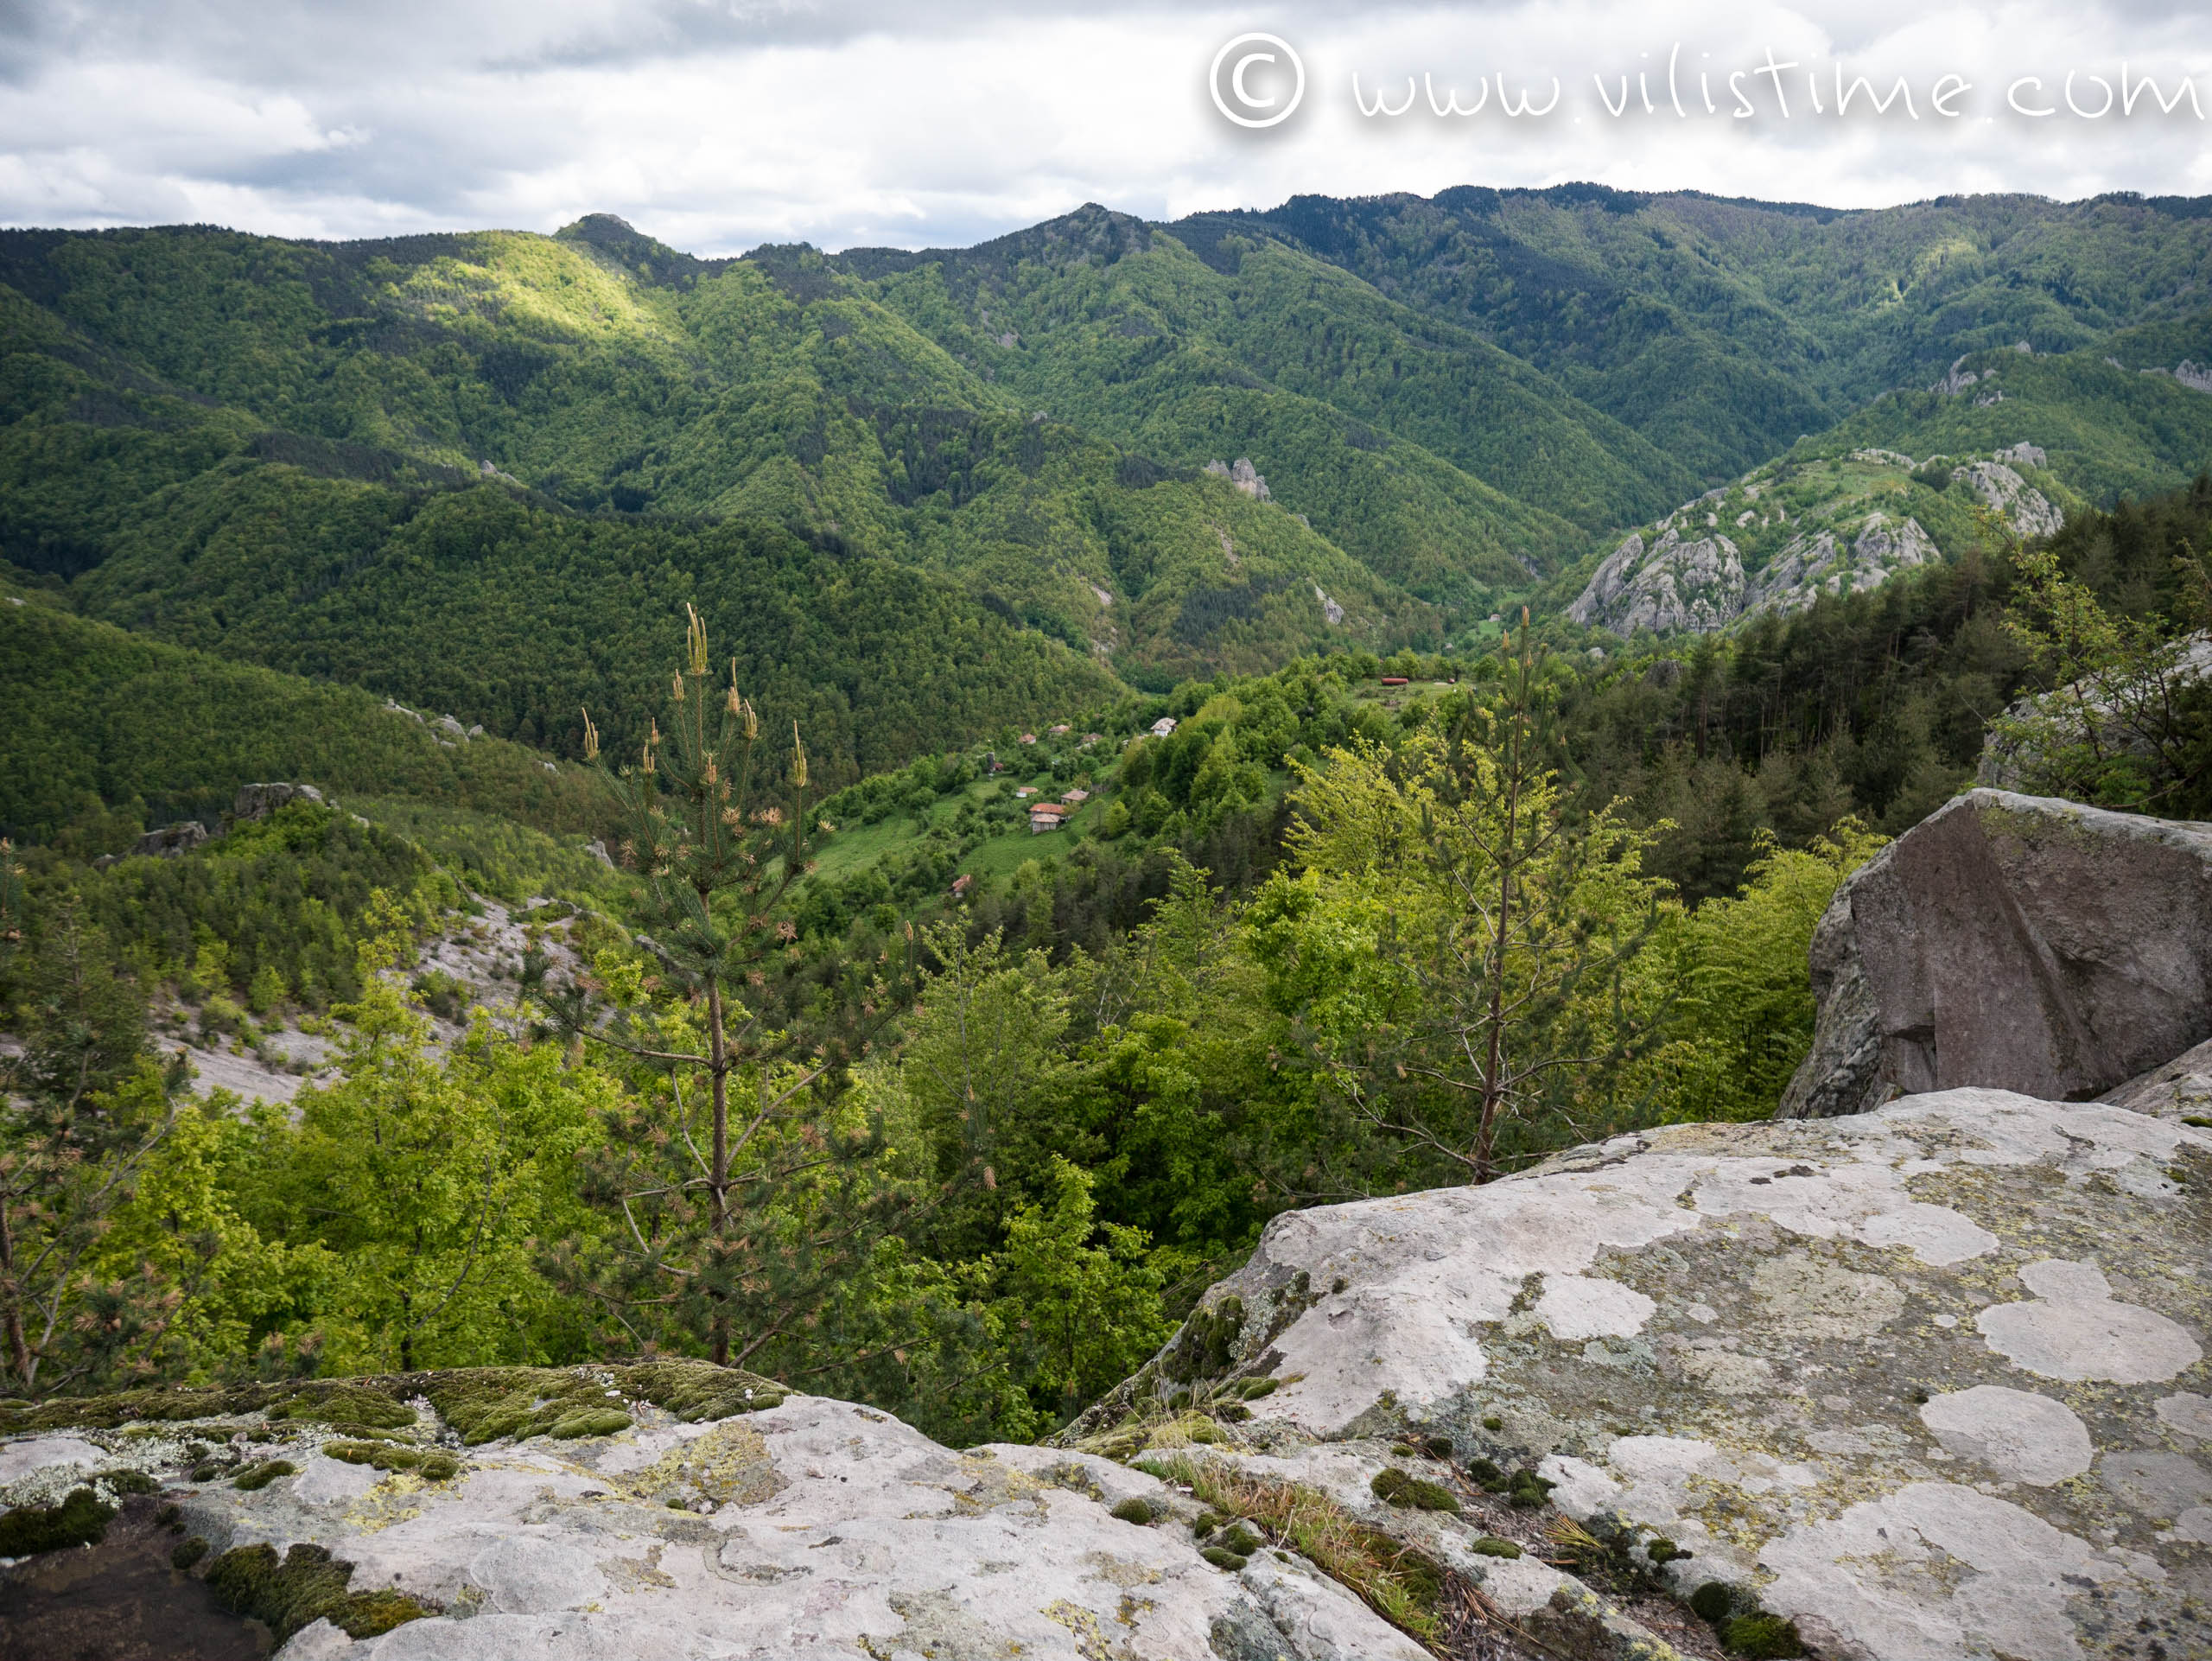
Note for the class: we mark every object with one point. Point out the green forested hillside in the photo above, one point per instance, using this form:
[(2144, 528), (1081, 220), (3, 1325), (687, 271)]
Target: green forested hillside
[(611, 376), (517, 615), (2111, 423), (109, 732), (1114, 324)]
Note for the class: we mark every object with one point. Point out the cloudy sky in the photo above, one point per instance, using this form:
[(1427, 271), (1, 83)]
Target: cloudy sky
[(719, 124)]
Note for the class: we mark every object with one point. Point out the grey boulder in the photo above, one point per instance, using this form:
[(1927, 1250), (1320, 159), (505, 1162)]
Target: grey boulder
[(171, 840), (2018, 942)]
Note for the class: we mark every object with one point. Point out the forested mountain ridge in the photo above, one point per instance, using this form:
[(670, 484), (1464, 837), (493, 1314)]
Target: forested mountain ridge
[(1722, 330), (926, 494), (1120, 324), (770, 393)]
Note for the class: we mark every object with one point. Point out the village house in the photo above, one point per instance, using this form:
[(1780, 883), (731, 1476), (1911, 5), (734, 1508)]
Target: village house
[(1164, 726), (1046, 816)]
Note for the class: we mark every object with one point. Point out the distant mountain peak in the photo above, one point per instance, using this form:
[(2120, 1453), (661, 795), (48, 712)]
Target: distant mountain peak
[(616, 239)]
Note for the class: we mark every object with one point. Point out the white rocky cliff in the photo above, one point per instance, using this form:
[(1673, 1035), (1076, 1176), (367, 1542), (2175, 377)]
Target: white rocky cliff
[(1688, 576)]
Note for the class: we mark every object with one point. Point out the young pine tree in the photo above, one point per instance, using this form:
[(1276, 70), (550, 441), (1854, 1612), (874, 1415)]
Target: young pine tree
[(81, 1110), (744, 1198), (1505, 925)]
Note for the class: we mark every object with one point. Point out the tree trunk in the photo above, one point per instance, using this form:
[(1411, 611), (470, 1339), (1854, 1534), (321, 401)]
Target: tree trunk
[(1494, 1057), (718, 1176), (19, 1349)]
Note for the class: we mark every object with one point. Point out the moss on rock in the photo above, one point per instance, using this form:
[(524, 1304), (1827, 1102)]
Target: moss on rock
[(307, 1585), (81, 1519), (1761, 1637), (482, 1403), (257, 1477), (430, 1463), (1396, 1487), (1207, 1344), (346, 1407)]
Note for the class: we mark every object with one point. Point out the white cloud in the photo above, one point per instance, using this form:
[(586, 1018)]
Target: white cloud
[(717, 126)]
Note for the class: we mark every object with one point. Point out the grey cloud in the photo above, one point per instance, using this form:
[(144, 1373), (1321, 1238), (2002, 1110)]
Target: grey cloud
[(464, 113)]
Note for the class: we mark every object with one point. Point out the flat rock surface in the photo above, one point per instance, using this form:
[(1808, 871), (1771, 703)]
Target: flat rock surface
[(1928, 1381), (811, 1528)]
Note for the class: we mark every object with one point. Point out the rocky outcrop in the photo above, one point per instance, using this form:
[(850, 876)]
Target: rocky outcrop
[(2013, 941), (2027, 510), (1697, 586), (259, 801), (653, 1512), (1928, 1381), (1954, 381), (1242, 474), (171, 840), (1810, 566), (1671, 587)]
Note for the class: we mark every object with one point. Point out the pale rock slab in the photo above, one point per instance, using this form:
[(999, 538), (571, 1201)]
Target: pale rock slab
[(2157, 1484), (1877, 1370), (2188, 1413), (835, 1532), (1879, 1579), (2074, 1330), (19, 1459)]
